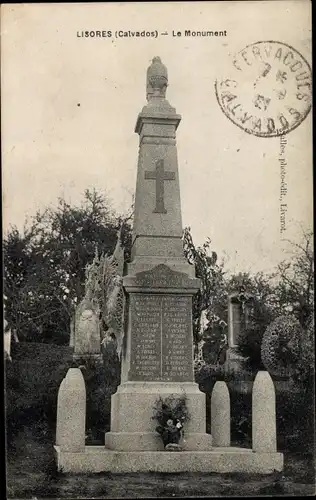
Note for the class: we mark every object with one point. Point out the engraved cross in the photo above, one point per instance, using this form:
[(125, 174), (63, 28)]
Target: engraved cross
[(160, 176)]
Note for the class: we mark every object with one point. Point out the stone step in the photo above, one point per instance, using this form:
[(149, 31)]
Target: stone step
[(222, 460)]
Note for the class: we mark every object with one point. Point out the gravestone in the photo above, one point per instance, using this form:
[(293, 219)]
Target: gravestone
[(157, 355), (239, 307), (86, 338)]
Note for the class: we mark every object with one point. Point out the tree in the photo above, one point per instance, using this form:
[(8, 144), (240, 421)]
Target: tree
[(305, 369), (44, 269), (290, 289), (280, 345), (19, 267), (210, 304), (295, 290), (209, 320), (287, 293)]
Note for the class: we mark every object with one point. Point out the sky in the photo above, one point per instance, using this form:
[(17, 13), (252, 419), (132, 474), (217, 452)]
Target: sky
[(70, 104)]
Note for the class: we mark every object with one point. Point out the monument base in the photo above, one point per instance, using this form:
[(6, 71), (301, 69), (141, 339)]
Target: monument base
[(132, 423), (151, 441), (221, 460)]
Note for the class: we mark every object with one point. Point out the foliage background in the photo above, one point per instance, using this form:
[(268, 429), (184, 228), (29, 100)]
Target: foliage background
[(44, 267), (44, 272)]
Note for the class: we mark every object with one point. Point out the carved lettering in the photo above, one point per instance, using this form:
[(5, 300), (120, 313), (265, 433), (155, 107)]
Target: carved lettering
[(161, 344)]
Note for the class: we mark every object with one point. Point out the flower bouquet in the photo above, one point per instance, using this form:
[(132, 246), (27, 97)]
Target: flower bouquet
[(171, 413)]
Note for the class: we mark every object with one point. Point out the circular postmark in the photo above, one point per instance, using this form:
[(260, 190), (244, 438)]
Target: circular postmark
[(268, 90)]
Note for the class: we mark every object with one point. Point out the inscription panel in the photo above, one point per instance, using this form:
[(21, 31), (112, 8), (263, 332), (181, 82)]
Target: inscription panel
[(161, 344), (177, 344), (146, 337)]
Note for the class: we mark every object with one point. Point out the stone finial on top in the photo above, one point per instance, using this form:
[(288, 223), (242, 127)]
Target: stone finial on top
[(157, 79)]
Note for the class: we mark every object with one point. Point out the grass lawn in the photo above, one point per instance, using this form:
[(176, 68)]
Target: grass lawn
[(31, 473)]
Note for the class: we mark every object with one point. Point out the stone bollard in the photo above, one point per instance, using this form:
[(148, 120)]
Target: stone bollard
[(220, 415), (263, 414), (71, 412)]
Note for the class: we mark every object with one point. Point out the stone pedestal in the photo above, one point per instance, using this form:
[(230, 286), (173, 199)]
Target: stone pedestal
[(132, 426)]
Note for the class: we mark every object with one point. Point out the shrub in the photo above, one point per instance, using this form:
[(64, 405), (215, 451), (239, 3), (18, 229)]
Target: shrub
[(207, 375), (33, 379), (241, 418), (305, 368), (249, 342), (280, 345), (296, 418), (294, 409)]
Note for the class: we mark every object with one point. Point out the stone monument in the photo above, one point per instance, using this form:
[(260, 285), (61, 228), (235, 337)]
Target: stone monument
[(157, 356), (157, 347)]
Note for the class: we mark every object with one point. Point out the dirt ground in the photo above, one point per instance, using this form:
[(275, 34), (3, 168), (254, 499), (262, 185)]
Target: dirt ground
[(31, 474)]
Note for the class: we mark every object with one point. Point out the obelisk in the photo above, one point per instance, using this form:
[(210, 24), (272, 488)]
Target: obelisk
[(157, 355), (157, 229)]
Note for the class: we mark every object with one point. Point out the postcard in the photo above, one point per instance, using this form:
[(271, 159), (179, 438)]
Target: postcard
[(140, 121)]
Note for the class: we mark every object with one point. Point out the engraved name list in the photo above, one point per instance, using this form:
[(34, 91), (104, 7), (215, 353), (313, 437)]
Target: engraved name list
[(161, 347)]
